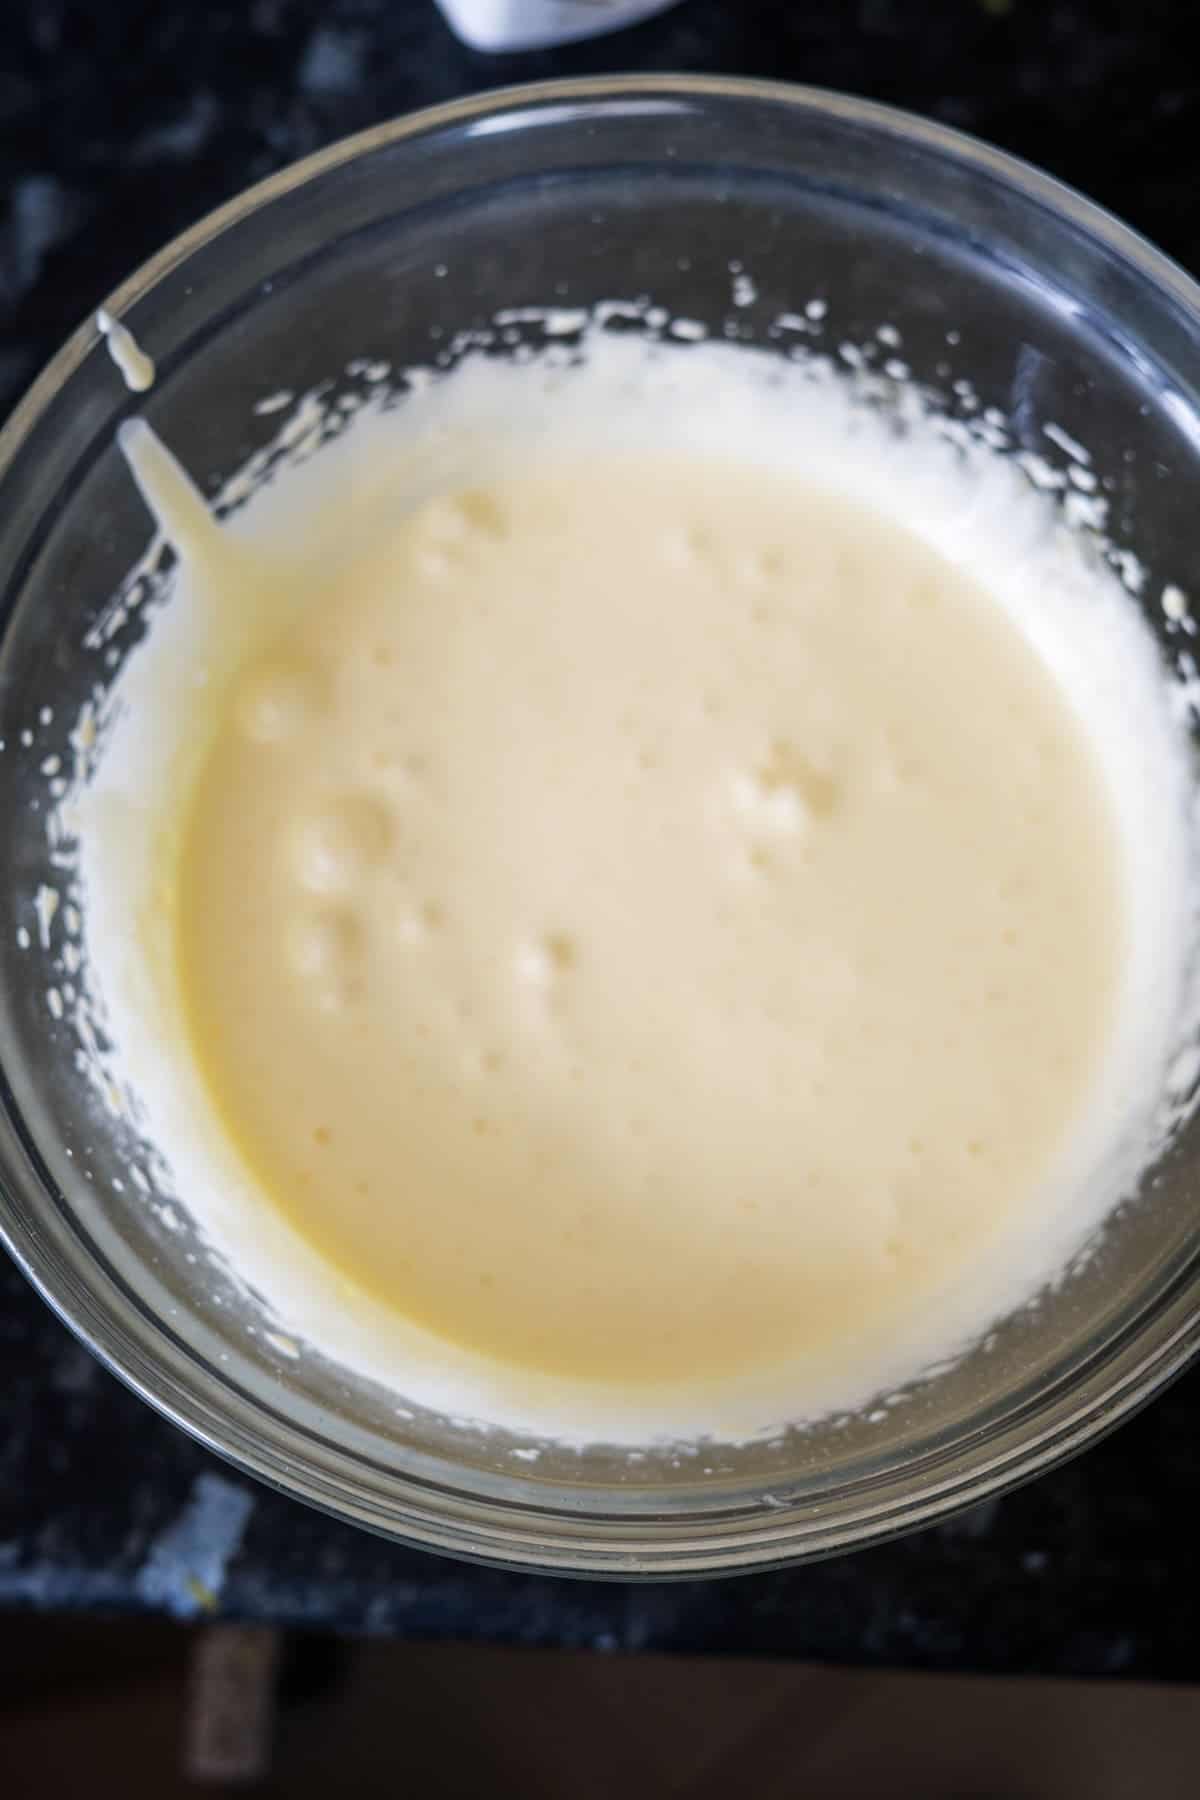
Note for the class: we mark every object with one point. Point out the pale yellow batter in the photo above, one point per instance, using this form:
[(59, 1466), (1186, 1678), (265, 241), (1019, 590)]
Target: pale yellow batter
[(649, 918)]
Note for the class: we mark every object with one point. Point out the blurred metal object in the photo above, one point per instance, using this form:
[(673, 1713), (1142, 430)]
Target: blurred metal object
[(229, 1726), (536, 24)]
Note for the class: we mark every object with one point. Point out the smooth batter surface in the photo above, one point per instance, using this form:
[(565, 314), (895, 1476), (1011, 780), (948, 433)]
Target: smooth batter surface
[(649, 918)]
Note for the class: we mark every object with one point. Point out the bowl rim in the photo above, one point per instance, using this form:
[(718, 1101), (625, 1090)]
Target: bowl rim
[(556, 1538)]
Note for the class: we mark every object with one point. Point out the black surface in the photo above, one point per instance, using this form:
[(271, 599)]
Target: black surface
[(120, 124)]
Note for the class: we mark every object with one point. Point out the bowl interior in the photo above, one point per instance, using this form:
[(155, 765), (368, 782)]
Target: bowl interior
[(1002, 293)]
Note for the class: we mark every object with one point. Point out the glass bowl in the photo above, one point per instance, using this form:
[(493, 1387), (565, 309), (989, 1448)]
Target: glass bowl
[(1007, 290)]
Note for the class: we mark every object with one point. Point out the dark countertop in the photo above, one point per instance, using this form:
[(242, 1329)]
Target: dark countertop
[(121, 124)]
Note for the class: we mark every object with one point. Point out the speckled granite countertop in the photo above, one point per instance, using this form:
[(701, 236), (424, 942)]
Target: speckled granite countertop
[(121, 124)]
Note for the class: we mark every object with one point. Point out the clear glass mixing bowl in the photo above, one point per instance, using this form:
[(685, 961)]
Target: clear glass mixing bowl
[(382, 248)]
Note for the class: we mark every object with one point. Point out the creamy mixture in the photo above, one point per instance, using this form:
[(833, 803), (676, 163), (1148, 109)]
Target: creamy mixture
[(617, 918), (655, 931)]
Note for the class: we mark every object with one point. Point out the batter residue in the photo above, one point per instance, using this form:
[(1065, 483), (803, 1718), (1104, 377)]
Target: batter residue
[(648, 921)]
